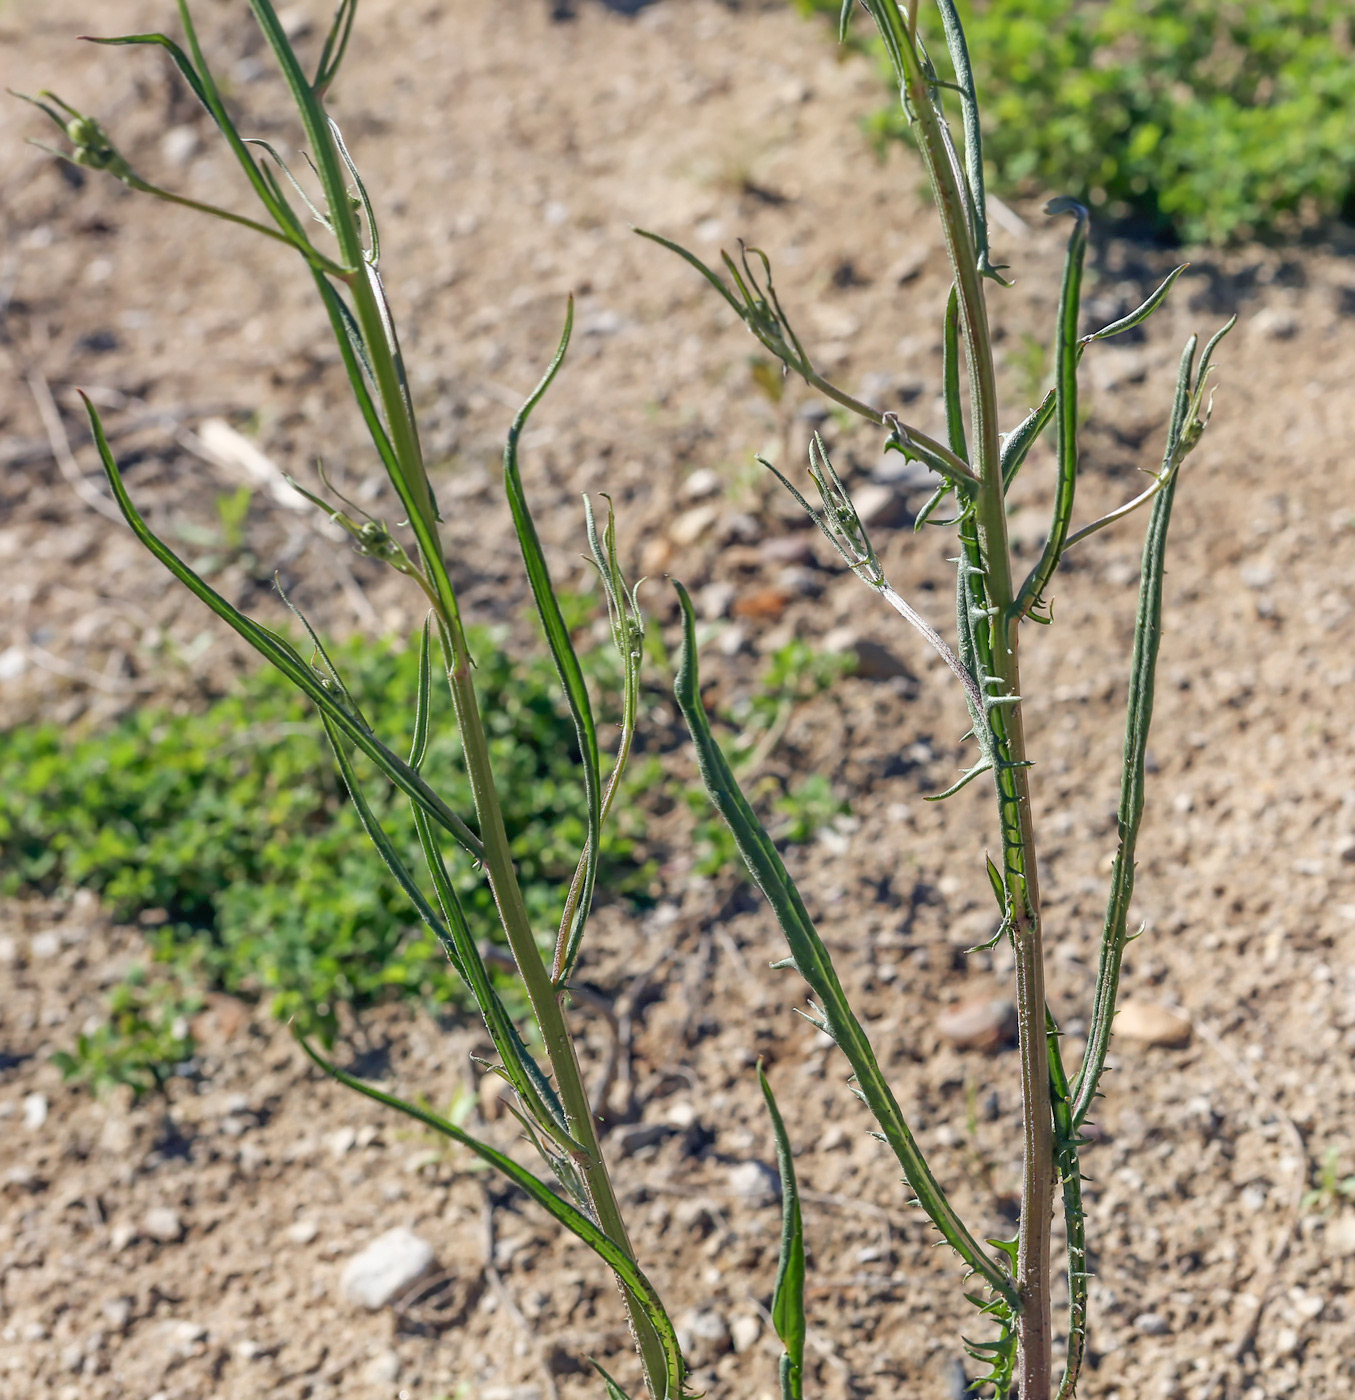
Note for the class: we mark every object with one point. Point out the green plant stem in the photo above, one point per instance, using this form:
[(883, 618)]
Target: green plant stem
[(1020, 872)]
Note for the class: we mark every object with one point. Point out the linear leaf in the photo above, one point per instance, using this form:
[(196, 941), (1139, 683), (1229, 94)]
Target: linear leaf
[(1142, 675), (1140, 314), (788, 1302), (815, 965), (561, 647), (1067, 354)]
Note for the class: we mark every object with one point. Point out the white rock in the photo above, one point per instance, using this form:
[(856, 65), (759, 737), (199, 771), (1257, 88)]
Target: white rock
[(9, 952), (704, 1335), (117, 1312), (35, 1111), (1151, 1324), (692, 524), (46, 944), (341, 1141), (755, 1183), (179, 145), (13, 663), (745, 1330), (162, 1223), (379, 1274), (383, 1368), (703, 482), (302, 1231)]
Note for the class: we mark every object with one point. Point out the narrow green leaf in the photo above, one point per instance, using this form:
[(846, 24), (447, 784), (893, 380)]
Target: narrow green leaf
[(950, 366), (423, 698), (1024, 436), (336, 45), (575, 1221), (788, 1302), (815, 963), (1138, 316), (558, 640), (1067, 354), (973, 138), (284, 656), (1133, 777)]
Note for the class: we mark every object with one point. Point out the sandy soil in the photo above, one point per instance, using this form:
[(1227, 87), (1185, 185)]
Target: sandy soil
[(190, 1247)]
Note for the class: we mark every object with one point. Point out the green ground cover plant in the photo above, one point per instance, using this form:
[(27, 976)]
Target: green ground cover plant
[(1211, 120), (463, 839), (230, 828)]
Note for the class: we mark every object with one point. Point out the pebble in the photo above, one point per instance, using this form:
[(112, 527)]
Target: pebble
[(341, 1141), (1151, 1324), (182, 1337), (715, 600), (383, 1368), (745, 1330), (1274, 323), (703, 482), (874, 661), (302, 1231), (163, 1223), (766, 604), (979, 1023), (788, 549), (35, 1111), (642, 1135), (179, 145), (692, 524), (1150, 1023), (878, 503), (386, 1268), (46, 944), (703, 1335), (755, 1183), (117, 1312)]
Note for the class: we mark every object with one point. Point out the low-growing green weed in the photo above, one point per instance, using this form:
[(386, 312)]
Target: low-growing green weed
[(233, 822), (1213, 119)]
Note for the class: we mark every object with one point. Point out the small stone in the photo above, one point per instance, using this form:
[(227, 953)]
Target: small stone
[(383, 1368), (979, 1023), (123, 1234), (731, 641), (880, 504), (24, 1177), (745, 1330), (182, 1337), (46, 944), (788, 549), (706, 481), (703, 1335), (1275, 324), (636, 1139), (386, 1268), (834, 1138), (302, 1231), (904, 476), (1151, 1324), (1286, 1341), (715, 600), (13, 663), (341, 1141), (162, 1223), (1151, 1024), (755, 1183), (9, 952), (1308, 1306), (692, 524), (117, 1312), (763, 604), (35, 1111), (179, 145), (682, 1115), (495, 1092)]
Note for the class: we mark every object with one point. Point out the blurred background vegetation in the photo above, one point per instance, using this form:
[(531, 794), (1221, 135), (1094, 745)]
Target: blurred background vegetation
[(1205, 121)]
